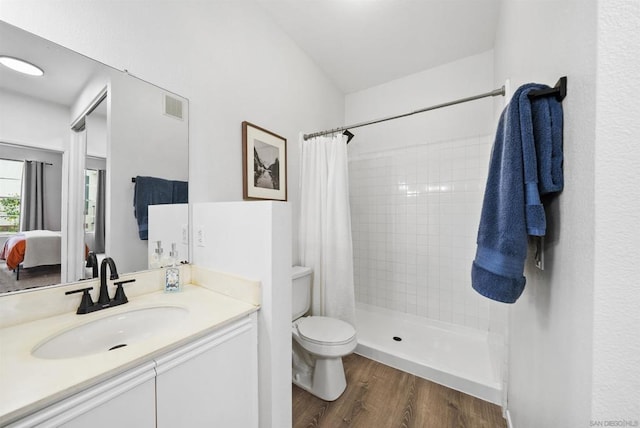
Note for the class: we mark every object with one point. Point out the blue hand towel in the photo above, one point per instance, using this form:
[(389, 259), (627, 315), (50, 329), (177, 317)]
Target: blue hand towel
[(526, 161), (548, 135), (149, 191), (180, 192)]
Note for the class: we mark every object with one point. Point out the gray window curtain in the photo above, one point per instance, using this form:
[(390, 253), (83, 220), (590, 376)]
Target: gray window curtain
[(100, 212), (32, 215)]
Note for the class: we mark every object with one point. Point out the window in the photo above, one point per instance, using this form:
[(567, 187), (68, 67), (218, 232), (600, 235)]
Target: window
[(10, 191)]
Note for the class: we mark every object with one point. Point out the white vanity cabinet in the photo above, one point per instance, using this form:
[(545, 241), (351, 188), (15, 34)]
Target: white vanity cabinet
[(126, 401), (212, 382)]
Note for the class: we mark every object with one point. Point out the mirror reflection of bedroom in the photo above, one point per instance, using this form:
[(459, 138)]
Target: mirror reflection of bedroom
[(37, 158), (31, 192), (31, 207), (30, 212)]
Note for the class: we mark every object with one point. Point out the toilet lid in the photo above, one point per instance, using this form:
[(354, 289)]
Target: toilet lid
[(326, 330)]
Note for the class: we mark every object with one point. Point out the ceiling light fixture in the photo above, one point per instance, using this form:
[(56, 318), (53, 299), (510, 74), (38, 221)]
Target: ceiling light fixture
[(21, 66)]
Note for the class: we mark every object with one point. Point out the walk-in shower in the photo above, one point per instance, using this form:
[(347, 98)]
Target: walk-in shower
[(415, 213)]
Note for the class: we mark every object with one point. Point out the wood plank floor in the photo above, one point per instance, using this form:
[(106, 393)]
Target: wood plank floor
[(378, 396)]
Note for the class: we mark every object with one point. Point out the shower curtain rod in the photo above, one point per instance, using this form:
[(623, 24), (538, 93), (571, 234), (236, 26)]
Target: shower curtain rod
[(559, 91), (494, 93)]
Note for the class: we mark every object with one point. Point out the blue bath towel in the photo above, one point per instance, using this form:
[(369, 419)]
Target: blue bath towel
[(180, 192), (526, 162), (155, 191)]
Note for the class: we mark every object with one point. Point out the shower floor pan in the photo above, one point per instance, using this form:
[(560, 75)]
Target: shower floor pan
[(458, 357)]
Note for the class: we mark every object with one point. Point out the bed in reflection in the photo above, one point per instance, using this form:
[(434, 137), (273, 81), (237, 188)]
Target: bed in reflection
[(31, 249)]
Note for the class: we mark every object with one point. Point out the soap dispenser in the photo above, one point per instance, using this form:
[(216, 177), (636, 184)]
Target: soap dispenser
[(172, 275), (156, 257)]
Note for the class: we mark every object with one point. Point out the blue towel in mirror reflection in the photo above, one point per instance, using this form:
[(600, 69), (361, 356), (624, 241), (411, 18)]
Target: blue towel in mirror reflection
[(155, 191)]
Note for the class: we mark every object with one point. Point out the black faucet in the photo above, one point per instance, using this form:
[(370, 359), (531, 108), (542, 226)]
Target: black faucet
[(104, 292), (87, 305), (92, 262)]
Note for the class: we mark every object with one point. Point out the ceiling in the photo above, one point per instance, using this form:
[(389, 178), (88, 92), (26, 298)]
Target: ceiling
[(363, 43), (357, 43), (66, 72)]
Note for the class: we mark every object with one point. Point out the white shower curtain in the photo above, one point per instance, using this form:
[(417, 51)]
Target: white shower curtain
[(325, 226)]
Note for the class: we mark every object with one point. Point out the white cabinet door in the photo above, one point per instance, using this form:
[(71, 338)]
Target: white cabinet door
[(126, 401), (212, 382), (132, 409)]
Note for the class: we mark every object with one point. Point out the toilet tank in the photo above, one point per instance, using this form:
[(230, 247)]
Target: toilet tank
[(300, 290)]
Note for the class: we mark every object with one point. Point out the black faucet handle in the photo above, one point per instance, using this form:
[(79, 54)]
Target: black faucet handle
[(126, 281), (120, 297), (86, 303), (79, 290)]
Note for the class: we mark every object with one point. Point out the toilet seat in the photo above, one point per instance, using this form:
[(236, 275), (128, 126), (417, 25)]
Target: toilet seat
[(325, 331)]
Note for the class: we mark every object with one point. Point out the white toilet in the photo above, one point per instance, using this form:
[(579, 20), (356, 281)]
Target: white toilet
[(319, 343)]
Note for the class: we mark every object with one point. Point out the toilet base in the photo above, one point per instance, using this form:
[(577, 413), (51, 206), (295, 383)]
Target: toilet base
[(326, 381)]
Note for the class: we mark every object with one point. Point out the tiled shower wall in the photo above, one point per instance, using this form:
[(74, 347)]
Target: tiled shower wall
[(415, 214)]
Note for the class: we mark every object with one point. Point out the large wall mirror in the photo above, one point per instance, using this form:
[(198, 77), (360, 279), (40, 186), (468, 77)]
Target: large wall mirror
[(72, 143)]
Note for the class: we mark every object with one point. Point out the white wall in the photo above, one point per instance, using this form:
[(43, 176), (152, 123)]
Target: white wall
[(253, 240), (416, 187), (616, 318), (142, 141), (96, 135), (459, 79), (32, 122), (228, 58), (169, 224), (551, 325), (91, 90)]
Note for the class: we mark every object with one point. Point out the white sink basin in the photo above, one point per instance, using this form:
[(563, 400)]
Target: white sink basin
[(110, 333)]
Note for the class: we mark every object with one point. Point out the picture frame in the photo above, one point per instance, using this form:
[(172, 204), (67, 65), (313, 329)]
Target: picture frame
[(264, 164)]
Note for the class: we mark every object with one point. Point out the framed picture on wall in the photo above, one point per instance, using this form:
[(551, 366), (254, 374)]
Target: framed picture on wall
[(264, 164)]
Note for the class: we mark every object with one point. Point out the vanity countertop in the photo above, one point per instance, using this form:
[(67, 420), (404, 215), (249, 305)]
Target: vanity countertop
[(29, 384)]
